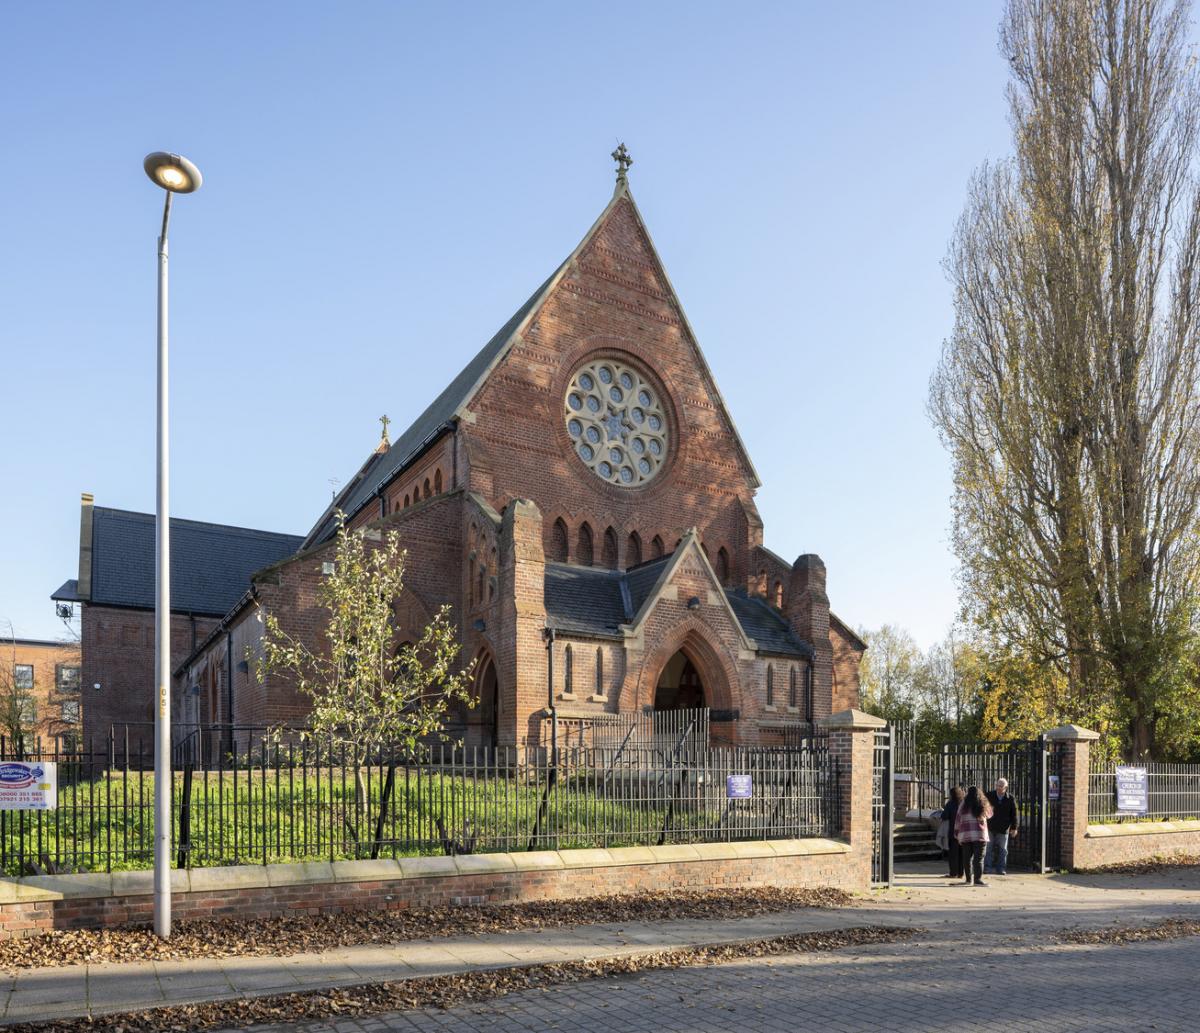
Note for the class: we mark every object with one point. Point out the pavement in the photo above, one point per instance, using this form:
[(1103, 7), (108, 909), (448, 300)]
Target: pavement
[(997, 940)]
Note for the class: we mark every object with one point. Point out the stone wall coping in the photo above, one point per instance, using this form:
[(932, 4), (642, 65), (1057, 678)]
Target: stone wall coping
[(34, 888), (852, 721), (1072, 733), (1141, 828)]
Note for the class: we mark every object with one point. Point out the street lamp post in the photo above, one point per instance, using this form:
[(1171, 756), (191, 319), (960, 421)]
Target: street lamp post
[(176, 175)]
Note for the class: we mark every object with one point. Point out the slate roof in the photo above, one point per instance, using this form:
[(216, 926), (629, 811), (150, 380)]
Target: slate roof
[(211, 564), (769, 630), (586, 600), (596, 602), (67, 592), (439, 414)]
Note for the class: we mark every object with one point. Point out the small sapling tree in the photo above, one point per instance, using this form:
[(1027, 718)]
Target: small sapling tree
[(370, 697)]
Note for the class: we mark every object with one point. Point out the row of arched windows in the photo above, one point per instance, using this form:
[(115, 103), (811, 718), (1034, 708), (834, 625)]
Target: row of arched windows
[(425, 489), (607, 551), (799, 689), (569, 671), (482, 567)]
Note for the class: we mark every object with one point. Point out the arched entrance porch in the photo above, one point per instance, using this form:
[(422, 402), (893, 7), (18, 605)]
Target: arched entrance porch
[(689, 672)]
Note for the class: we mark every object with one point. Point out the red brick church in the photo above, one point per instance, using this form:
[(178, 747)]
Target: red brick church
[(579, 486)]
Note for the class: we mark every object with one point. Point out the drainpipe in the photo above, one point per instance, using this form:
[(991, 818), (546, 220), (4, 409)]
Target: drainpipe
[(550, 696), (229, 686)]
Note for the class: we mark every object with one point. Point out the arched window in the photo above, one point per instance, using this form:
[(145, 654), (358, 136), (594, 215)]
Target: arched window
[(608, 557), (558, 541), (568, 673), (406, 502), (482, 580), (492, 580), (437, 482), (656, 547), (808, 692), (599, 671), (427, 491), (793, 700), (584, 553), (779, 595), (722, 565), (770, 685), (633, 550), (471, 580)]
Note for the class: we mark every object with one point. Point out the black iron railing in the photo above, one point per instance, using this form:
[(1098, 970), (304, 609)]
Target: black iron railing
[(252, 795)]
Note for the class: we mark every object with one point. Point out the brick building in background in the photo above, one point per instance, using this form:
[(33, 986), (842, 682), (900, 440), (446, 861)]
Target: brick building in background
[(44, 678), (579, 486)]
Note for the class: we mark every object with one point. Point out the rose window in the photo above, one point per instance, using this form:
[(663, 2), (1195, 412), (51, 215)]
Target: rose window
[(616, 422)]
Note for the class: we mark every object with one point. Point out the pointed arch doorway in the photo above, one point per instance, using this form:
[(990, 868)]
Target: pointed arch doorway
[(679, 686)]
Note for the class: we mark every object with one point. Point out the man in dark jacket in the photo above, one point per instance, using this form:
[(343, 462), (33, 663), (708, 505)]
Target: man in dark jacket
[(1002, 824)]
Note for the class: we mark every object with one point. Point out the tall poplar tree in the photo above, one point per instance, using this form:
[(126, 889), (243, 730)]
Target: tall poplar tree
[(1067, 393)]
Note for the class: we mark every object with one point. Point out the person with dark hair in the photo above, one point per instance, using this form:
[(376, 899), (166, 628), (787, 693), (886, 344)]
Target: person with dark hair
[(953, 850), (971, 831)]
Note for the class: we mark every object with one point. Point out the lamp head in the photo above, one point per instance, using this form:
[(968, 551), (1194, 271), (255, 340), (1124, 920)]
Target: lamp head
[(172, 172)]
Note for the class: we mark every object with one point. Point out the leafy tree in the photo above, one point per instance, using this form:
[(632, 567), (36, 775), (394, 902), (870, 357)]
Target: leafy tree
[(367, 693), (1069, 391), (14, 701), (886, 675)]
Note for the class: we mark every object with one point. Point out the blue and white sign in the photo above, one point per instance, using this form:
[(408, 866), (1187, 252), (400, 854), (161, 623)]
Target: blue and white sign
[(1133, 790), (738, 787), (28, 787)]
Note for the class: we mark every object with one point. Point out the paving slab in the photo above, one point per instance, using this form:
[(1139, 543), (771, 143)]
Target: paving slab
[(1011, 909)]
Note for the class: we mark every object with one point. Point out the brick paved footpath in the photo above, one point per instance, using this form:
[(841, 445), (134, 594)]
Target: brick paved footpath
[(996, 940)]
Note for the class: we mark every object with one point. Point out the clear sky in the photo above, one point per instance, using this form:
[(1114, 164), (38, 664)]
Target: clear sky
[(386, 182)]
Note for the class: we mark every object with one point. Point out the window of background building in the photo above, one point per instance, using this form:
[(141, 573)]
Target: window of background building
[(70, 711), (28, 710), (23, 676), (67, 677)]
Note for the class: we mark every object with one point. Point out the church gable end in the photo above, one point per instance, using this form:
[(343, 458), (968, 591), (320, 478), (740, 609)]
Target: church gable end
[(649, 440)]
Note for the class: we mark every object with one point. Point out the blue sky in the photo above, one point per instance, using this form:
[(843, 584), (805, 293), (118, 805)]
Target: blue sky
[(386, 183)]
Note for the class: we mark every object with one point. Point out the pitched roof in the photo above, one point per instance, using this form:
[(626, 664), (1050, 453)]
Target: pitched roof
[(211, 564), (448, 406), (769, 630), (596, 602), (436, 417)]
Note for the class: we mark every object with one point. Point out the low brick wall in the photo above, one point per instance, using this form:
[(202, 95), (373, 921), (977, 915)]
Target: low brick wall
[(40, 903), (1136, 841)]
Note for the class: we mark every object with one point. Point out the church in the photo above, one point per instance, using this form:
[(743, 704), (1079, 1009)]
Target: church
[(580, 498)]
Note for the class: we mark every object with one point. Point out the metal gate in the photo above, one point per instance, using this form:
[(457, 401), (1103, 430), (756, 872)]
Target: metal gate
[(883, 785), (1032, 767)]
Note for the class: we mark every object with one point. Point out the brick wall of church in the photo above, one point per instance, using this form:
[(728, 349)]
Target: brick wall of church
[(118, 654), (613, 301)]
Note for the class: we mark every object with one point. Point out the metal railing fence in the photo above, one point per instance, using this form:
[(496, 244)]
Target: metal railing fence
[(249, 795), (1174, 793)]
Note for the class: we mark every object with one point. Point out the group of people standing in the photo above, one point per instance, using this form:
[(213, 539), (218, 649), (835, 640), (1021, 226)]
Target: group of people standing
[(976, 829)]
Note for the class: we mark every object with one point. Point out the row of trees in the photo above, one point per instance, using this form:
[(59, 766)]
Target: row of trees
[(966, 688)]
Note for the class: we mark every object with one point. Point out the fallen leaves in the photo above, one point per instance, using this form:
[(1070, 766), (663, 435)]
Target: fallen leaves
[(448, 991), (1167, 929), (229, 937), (1149, 866)]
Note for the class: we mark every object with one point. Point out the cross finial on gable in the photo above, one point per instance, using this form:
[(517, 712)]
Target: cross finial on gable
[(622, 157), (384, 421)]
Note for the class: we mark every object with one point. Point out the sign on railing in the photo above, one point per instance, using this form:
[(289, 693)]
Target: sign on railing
[(1133, 790), (28, 787)]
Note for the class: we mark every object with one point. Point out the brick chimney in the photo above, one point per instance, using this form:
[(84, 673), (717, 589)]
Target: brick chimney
[(84, 589), (807, 611)]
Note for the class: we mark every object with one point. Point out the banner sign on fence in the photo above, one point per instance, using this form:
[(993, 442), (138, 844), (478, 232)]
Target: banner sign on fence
[(738, 787), (28, 787), (1133, 790), (1053, 787)]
